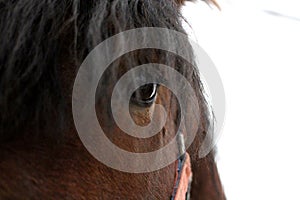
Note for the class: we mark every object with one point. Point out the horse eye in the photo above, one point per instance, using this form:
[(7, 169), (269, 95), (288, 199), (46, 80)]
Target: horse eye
[(145, 95)]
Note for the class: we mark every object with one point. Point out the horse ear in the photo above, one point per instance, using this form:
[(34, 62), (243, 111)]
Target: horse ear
[(213, 2), (181, 2)]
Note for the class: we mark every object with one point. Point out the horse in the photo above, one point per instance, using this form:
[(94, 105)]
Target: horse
[(43, 44)]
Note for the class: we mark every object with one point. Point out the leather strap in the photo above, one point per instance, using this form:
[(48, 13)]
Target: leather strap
[(183, 178)]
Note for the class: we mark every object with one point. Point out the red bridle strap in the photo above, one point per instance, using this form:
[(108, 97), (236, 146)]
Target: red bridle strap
[(183, 178)]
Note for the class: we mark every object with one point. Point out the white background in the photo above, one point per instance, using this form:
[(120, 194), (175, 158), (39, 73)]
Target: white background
[(258, 58)]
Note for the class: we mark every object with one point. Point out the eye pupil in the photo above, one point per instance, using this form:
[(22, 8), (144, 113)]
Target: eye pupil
[(145, 95)]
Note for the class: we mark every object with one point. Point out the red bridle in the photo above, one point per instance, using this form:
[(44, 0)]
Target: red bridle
[(183, 176)]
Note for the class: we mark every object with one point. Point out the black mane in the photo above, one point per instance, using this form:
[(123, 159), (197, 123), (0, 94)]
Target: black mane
[(39, 36)]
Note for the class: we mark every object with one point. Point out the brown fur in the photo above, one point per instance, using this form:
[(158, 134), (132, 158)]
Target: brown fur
[(40, 169)]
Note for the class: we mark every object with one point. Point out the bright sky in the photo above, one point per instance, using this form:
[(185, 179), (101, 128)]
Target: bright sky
[(288, 7), (258, 58)]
